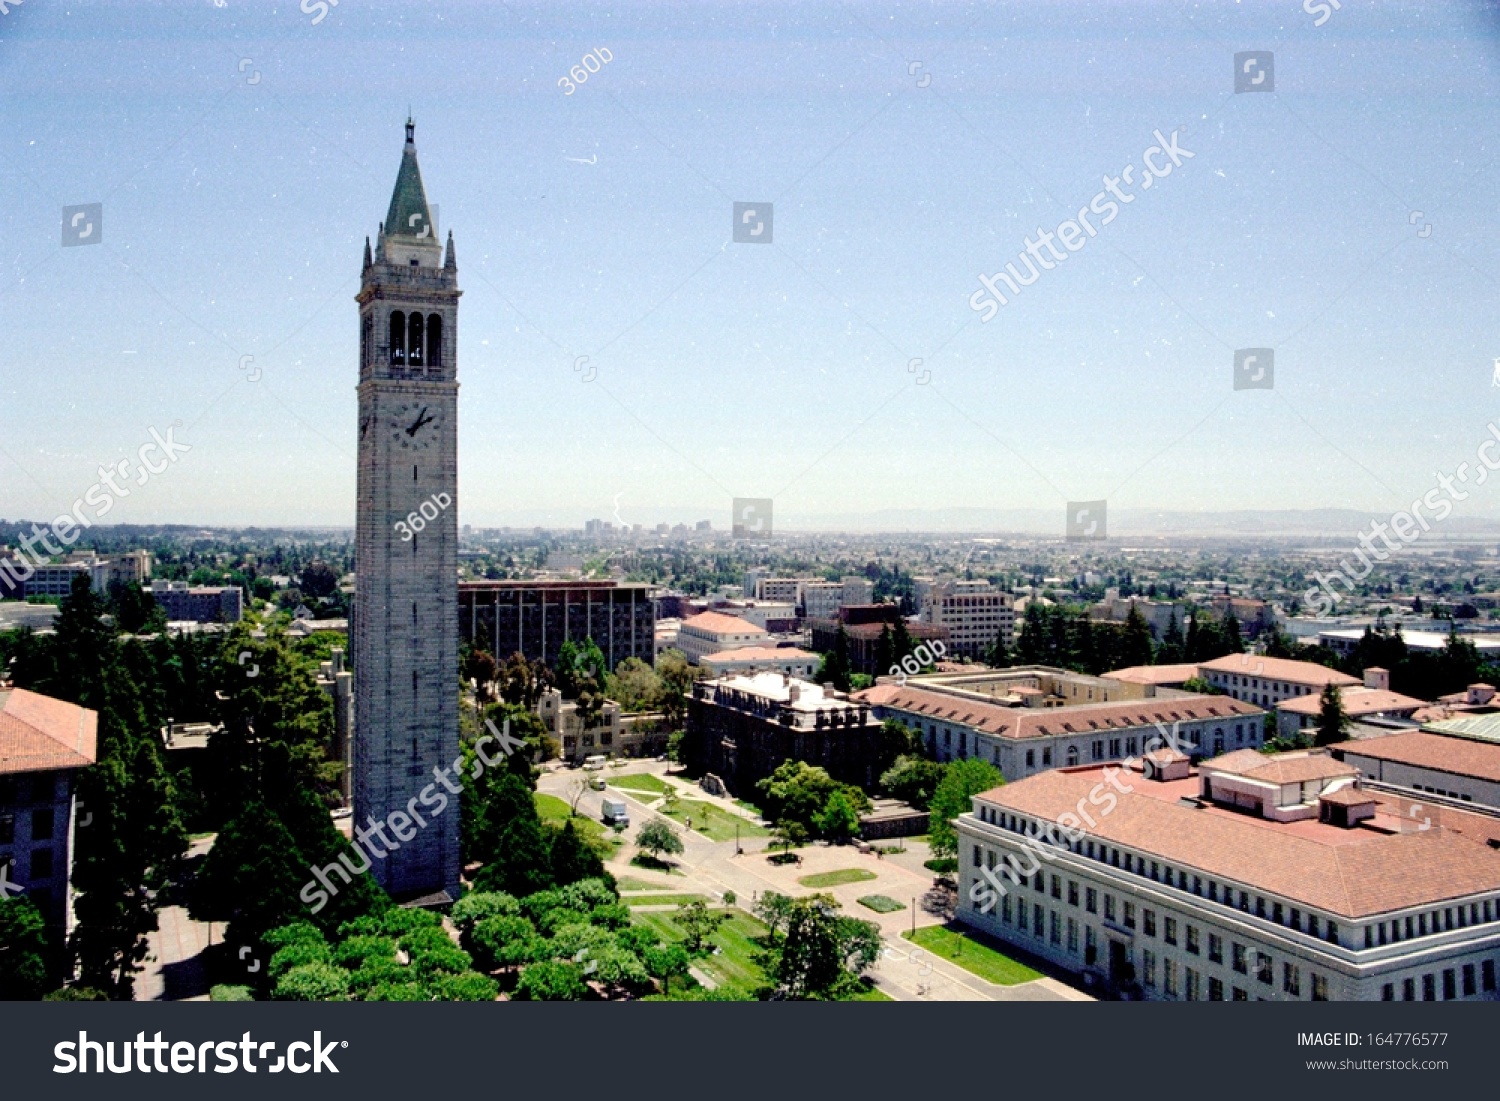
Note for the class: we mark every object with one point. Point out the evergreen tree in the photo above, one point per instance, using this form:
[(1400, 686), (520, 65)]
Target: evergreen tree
[(998, 655), (885, 650), (1136, 644), (1230, 632), (570, 859), (1333, 722), (1173, 649)]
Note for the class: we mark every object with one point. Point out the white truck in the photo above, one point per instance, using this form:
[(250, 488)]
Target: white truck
[(612, 812)]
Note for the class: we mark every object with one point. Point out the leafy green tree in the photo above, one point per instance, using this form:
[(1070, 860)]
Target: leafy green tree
[(998, 655), (838, 821), (510, 839), (1173, 649), (699, 923), (571, 859), (24, 951), (912, 779), (836, 668), (507, 941), (774, 910), (961, 781), (636, 686), (677, 676), (798, 792), (313, 982), (657, 837), (823, 953), (251, 877), (466, 986), (1137, 641), (885, 651), (1333, 721), (788, 835), (551, 981), (522, 682), (666, 962)]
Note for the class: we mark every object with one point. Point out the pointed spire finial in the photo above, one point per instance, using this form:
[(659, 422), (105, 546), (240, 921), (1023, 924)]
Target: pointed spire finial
[(411, 128), (450, 261), (367, 254)]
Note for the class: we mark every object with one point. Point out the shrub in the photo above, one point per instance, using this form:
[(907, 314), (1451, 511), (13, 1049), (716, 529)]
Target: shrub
[(375, 972), (297, 954), (445, 958), (224, 993), (468, 986), (424, 938), (355, 952), (881, 904), (313, 982), (474, 908), (397, 992), (550, 981), (76, 994), (298, 932)]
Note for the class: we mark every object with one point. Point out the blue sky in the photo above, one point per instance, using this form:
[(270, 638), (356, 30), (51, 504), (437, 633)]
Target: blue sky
[(235, 211)]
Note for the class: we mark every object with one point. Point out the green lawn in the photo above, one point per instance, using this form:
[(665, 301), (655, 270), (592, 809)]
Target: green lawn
[(555, 812), (640, 781), (661, 900), (871, 993), (735, 965), (881, 904), (835, 879), (972, 956), (711, 821), (630, 883)]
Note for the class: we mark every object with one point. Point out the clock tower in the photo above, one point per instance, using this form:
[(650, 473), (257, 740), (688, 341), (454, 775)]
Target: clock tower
[(405, 627)]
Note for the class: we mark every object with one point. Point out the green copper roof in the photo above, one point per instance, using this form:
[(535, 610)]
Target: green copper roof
[(408, 215)]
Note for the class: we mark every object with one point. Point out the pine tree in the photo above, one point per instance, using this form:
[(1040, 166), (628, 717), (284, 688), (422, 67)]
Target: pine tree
[(1173, 648), (1333, 722), (1137, 648)]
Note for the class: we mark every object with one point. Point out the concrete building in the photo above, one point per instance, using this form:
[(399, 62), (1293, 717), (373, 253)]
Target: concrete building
[(748, 660), (786, 590), (1466, 770), (405, 640), (1251, 878), (184, 603), (56, 580), (1371, 700), (1158, 614), (1155, 677), (1344, 640), (1265, 681), (535, 618), (1032, 719), (712, 633), (44, 744), (858, 590), (741, 728), (974, 615), (1254, 616), (821, 599), (565, 726), (863, 625)]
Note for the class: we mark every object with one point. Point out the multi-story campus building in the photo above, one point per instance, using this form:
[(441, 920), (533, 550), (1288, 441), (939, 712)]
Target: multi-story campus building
[(1033, 718), (975, 617), (863, 625), (741, 728), (535, 618), (44, 743), (713, 633), (1265, 681), (1250, 878), (186, 603), (747, 660)]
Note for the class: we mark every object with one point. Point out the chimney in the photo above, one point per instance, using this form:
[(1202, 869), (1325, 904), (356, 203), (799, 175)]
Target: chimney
[(794, 693), (1378, 678), (1480, 693)]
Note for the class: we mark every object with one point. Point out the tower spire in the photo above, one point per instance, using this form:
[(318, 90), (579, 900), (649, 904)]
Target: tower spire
[(409, 214), (450, 262)]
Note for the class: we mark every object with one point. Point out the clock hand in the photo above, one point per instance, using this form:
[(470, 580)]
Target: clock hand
[(416, 424)]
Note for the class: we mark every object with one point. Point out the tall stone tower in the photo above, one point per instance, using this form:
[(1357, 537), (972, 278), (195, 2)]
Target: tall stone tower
[(405, 630)]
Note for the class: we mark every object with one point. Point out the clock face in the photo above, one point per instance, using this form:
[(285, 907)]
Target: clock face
[(414, 425)]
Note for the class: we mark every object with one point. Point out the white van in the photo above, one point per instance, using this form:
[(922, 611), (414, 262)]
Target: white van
[(594, 763)]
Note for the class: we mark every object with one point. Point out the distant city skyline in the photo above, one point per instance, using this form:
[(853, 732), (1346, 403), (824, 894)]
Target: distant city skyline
[(623, 357)]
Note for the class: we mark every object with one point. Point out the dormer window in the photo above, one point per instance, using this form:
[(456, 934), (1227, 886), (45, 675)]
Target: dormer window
[(415, 262)]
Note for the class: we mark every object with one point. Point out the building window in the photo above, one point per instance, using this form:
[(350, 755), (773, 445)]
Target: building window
[(1215, 948), (1047, 756), (1320, 988), (1073, 936), (1098, 749), (1148, 922), (1091, 900), (1054, 927), (1109, 907), (1072, 755), (1130, 915), (1072, 892), (1469, 990), (1031, 758), (1194, 993), (1263, 968), (41, 824), (1036, 921), (1291, 979), (1388, 992), (1240, 995), (1170, 934), (41, 866), (1215, 990), (1005, 909), (1169, 977), (1408, 990), (1450, 984), (7, 829), (1057, 886), (1192, 939), (1148, 967), (398, 338)]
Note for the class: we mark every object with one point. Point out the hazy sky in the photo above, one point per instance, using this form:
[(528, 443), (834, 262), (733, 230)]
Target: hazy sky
[(242, 153)]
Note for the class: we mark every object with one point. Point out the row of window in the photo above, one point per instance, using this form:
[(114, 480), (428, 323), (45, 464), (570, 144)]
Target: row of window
[(415, 340), (40, 787), (1451, 978), (1191, 985), (41, 866), (1291, 917), (1450, 794)]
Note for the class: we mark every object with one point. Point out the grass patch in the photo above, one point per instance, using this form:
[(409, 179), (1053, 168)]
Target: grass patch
[(655, 864), (881, 904), (738, 938), (555, 812), (973, 956), (835, 879), (630, 883), (640, 781), (869, 993), (711, 821), (661, 900)]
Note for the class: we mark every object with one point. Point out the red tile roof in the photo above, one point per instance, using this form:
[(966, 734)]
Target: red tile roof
[(1154, 674), (38, 733), (1283, 768), (1417, 748), (719, 624), (1356, 701), (1037, 722), (1295, 672), (1354, 873)]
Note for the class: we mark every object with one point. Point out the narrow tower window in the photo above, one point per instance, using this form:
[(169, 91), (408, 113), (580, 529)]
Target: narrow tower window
[(414, 341), (434, 343), (398, 338)]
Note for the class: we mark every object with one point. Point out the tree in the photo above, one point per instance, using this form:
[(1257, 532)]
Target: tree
[(838, 821), (912, 779), (836, 669), (774, 910), (253, 848), (508, 837), (658, 837), (788, 835), (1230, 629), (699, 923), (636, 686), (550, 981), (799, 792), (506, 941), (885, 652), (522, 682), (1137, 644), (578, 787), (666, 962), (998, 655), (1333, 722), (24, 951), (954, 795), (677, 676), (1173, 648), (319, 580), (823, 953), (571, 859)]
